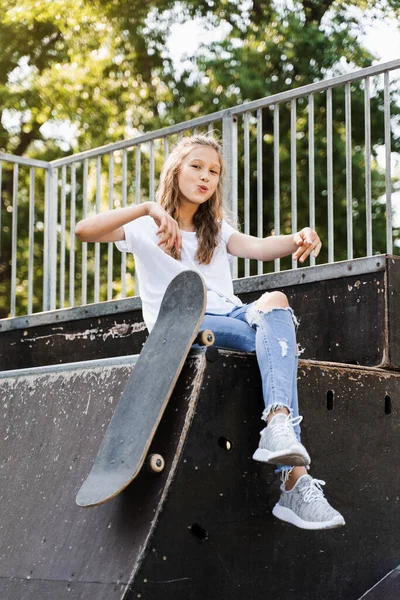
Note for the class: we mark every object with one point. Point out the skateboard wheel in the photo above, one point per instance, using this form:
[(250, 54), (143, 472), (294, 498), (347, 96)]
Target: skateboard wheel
[(156, 463), (205, 338)]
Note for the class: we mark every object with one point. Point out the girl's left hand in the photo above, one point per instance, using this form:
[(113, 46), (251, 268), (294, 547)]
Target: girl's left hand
[(307, 240)]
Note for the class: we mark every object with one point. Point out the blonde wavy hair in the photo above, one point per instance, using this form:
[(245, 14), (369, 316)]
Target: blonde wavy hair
[(207, 220)]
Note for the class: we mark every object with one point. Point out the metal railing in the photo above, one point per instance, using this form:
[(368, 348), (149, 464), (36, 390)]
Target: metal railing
[(281, 154)]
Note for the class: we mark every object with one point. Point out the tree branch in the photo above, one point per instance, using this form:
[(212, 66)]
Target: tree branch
[(314, 11), (27, 137)]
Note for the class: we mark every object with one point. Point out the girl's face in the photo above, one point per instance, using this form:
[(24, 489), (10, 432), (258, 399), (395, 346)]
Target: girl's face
[(199, 175)]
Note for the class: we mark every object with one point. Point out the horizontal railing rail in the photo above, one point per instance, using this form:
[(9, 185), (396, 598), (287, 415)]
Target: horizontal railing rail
[(288, 95), (310, 152)]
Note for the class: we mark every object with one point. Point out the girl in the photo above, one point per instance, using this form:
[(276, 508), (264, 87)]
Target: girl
[(185, 229)]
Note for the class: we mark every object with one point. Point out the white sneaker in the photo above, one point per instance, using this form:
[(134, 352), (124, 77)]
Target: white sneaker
[(305, 506), (279, 444)]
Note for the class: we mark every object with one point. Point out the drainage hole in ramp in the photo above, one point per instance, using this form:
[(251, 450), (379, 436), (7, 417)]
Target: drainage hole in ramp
[(329, 399), (225, 443), (388, 405), (199, 531)]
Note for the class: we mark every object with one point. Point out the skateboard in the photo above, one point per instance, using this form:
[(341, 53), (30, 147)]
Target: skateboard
[(126, 442)]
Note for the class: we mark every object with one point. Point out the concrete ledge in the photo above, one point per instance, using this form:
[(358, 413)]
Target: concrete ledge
[(348, 313), (245, 285)]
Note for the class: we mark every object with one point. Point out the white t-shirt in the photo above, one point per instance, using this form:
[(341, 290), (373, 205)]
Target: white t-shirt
[(156, 269)]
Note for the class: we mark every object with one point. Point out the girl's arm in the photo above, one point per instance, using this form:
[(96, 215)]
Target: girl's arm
[(300, 244), (108, 226)]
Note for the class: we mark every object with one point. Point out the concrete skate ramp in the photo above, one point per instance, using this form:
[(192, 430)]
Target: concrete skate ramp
[(386, 589), (203, 528), (53, 420)]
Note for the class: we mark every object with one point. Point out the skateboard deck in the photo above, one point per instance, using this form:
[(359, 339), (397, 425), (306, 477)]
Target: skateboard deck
[(147, 391)]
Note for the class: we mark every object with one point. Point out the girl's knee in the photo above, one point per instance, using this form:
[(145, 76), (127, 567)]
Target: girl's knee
[(271, 300)]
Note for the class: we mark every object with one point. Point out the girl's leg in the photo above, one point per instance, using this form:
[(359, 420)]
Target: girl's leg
[(276, 349), (302, 501), (272, 336), (230, 333), (268, 328)]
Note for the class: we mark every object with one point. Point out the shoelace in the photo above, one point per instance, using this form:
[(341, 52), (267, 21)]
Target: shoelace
[(285, 474), (313, 491), (284, 426)]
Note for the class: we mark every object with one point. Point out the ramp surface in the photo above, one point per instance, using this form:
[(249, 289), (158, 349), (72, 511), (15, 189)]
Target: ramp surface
[(386, 589), (53, 422), (226, 543), (203, 528)]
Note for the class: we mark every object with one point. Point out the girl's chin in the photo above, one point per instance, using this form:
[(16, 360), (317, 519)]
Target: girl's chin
[(195, 199)]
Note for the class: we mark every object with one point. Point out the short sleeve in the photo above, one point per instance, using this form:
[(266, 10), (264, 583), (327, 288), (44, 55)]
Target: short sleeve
[(132, 241), (226, 231), (122, 245)]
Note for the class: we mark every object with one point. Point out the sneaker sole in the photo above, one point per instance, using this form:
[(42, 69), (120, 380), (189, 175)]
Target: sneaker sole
[(292, 457), (286, 514)]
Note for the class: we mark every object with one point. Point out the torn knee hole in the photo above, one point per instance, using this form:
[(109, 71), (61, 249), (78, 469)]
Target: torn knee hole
[(272, 300), (284, 346)]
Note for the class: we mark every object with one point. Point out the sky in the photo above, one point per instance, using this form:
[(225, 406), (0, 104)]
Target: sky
[(382, 39)]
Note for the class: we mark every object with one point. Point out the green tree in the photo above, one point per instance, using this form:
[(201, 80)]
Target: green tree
[(89, 68), (101, 70), (272, 48)]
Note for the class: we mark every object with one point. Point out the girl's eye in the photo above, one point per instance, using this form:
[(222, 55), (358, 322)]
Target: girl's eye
[(195, 166), (214, 172)]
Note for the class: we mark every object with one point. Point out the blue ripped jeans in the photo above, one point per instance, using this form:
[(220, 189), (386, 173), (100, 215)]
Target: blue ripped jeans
[(272, 336)]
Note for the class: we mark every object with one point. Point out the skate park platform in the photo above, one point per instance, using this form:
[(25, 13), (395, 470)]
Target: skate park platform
[(203, 527), (388, 588)]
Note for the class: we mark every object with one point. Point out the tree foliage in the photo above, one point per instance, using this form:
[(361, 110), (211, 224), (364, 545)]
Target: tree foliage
[(100, 71)]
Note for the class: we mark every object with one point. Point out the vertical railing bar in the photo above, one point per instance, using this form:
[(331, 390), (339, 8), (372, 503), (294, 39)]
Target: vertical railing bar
[(138, 172), (97, 244), (84, 215), (166, 148), (152, 172), (46, 232), (329, 165), (349, 184), (229, 185), (293, 169), (311, 167), (234, 183), (259, 184), (227, 125), (277, 219), (368, 196), (14, 238), (110, 244), (210, 128), (63, 235), (1, 193), (246, 131), (53, 204), (72, 237), (388, 170), (31, 240), (124, 203)]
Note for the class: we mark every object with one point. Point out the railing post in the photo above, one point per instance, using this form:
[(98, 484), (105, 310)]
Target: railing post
[(230, 188), (227, 134), (50, 241)]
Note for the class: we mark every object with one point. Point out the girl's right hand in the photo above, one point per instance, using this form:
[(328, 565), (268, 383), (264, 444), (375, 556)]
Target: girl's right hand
[(168, 228)]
